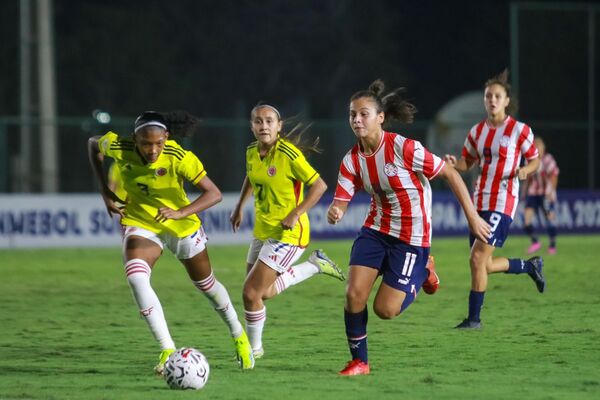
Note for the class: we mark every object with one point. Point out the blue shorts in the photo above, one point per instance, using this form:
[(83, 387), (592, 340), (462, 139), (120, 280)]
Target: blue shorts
[(499, 223), (540, 203), (401, 265)]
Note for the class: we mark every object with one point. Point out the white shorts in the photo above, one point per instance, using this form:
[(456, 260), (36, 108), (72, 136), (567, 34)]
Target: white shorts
[(183, 248), (277, 255)]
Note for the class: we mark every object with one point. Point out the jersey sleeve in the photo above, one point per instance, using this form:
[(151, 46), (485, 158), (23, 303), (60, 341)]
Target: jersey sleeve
[(349, 181), (469, 150), (417, 158), (303, 171), (111, 146), (191, 168), (528, 148)]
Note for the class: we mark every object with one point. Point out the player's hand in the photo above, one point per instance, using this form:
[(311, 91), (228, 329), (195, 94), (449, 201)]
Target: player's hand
[(236, 219), (165, 213), (450, 159), (114, 208), (334, 215), (290, 221), (522, 174), (480, 228)]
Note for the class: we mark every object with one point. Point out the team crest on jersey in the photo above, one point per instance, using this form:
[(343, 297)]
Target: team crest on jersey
[(390, 169), (161, 172), (271, 171), (504, 141)]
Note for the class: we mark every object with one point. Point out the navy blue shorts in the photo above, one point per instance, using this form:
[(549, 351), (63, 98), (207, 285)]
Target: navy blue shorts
[(540, 203), (401, 265), (499, 223)]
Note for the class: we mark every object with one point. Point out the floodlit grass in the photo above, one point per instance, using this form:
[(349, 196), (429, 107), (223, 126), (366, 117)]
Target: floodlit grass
[(70, 330)]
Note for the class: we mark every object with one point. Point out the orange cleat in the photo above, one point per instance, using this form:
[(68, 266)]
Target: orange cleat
[(356, 367), (431, 284)]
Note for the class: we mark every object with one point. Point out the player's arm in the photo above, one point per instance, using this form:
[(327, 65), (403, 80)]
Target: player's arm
[(210, 196), (336, 211), (531, 166), (461, 164), (477, 225), (317, 188), (97, 161), (237, 215)]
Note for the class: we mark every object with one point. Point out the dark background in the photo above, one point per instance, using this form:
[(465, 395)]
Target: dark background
[(217, 59)]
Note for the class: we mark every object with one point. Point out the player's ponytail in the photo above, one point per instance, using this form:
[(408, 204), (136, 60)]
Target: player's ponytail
[(393, 105), (502, 80), (181, 123)]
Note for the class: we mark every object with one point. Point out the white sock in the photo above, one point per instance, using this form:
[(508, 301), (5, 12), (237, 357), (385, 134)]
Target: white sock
[(218, 296), (294, 275), (255, 322), (138, 276)]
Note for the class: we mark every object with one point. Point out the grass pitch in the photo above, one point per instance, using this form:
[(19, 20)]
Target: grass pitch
[(70, 330)]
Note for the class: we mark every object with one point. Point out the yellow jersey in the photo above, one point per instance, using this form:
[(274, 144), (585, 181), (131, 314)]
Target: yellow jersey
[(278, 181), (114, 176), (155, 185)]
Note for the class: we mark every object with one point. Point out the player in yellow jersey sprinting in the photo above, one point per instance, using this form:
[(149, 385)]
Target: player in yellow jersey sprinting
[(276, 173), (157, 213)]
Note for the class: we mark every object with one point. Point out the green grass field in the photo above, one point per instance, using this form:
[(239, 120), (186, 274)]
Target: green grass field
[(70, 330)]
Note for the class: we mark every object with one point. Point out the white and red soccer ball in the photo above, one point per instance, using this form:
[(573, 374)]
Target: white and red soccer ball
[(186, 368)]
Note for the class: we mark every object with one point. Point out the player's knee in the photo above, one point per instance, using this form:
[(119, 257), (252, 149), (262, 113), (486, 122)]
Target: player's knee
[(355, 299), (251, 295), (385, 311)]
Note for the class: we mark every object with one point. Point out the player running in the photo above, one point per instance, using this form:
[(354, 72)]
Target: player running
[(496, 145), (541, 194), (157, 213), (395, 238), (276, 173)]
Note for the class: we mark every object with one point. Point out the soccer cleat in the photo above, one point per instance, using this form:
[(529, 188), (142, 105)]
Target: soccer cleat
[(243, 351), (326, 265), (356, 367), (552, 250), (258, 353), (159, 369), (534, 247), (468, 324), (536, 273), (431, 284)]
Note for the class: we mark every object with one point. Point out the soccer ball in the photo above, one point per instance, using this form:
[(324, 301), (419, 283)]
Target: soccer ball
[(186, 368)]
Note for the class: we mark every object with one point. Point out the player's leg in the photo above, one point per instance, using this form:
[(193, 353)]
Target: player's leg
[(366, 258), (404, 272), (258, 282), (549, 211), (531, 206), (140, 252), (193, 254), (360, 282)]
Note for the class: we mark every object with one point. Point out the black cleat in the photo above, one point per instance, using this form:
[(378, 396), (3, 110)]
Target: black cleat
[(468, 324), (536, 273)]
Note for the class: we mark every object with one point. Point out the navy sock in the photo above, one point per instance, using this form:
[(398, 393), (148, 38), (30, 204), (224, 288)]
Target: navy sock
[(356, 331), (475, 304), (552, 234), (529, 231), (518, 266)]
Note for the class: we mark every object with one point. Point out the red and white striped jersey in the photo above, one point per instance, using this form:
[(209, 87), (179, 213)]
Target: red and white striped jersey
[(397, 176), (538, 183), (498, 152)]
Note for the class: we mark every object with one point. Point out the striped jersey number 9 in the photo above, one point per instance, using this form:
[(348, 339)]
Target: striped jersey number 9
[(487, 155), (407, 268), (495, 220), (261, 192)]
